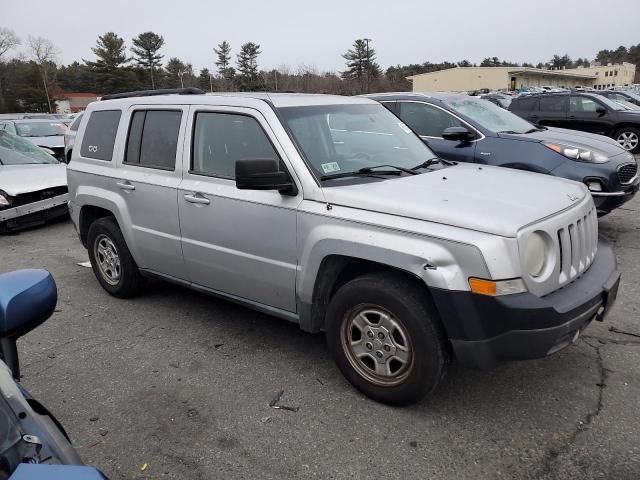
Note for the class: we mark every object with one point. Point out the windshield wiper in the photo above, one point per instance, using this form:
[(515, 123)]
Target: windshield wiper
[(431, 161), (366, 171), (370, 169)]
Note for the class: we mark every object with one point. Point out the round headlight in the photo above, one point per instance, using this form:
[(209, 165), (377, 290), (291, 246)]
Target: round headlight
[(535, 254)]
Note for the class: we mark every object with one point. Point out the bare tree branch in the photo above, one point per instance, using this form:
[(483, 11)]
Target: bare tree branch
[(8, 41)]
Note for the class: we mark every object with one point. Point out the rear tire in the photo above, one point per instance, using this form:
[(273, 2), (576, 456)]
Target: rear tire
[(385, 335), (628, 138), (111, 261)]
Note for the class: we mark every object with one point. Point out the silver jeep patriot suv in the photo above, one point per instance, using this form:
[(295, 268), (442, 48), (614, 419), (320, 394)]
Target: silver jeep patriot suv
[(330, 212)]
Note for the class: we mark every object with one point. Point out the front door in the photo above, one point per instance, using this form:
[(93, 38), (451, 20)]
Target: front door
[(240, 243), (583, 115), (148, 178), (430, 121)]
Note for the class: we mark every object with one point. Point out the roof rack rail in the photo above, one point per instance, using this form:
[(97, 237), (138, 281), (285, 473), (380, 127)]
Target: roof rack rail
[(150, 93)]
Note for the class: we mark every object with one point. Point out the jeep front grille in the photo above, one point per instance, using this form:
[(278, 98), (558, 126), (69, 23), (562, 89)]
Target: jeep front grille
[(627, 172), (577, 246)]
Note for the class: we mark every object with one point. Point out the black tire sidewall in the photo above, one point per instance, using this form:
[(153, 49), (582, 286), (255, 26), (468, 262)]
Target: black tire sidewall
[(410, 306), (130, 278)]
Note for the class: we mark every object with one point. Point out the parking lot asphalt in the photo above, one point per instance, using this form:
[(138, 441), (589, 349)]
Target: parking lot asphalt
[(182, 382)]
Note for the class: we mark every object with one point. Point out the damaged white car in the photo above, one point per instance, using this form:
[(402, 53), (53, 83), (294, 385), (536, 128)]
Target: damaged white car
[(33, 184)]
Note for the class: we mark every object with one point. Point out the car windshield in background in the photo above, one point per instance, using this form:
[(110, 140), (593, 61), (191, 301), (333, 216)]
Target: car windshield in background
[(504, 101), (611, 104), (490, 116), (346, 138), (16, 151), (627, 105), (39, 129)]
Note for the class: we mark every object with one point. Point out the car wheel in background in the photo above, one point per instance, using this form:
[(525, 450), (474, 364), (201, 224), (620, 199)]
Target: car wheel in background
[(385, 336), (629, 139), (112, 263)]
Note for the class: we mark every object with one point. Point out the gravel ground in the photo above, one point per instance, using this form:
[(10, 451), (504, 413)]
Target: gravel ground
[(182, 382)]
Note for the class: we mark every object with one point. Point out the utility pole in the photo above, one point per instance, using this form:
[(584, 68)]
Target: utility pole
[(367, 66), (211, 82)]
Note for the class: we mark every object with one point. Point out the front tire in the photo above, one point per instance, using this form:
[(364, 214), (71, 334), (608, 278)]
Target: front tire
[(385, 336), (628, 138), (111, 261)]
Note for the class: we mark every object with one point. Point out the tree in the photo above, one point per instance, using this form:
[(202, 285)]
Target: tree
[(146, 47), (464, 63), (109, 68), (223, 52), (44, 53), (205, 80), (247, 63), (559, 62), (8, 41), (179, 73), (361, 64)]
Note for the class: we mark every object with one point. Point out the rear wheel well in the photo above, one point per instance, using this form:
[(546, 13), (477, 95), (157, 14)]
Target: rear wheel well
[(337, 270), (88, 215)]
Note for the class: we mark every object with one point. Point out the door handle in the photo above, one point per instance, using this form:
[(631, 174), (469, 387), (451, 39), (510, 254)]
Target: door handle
[(196, 198), (126, 185)]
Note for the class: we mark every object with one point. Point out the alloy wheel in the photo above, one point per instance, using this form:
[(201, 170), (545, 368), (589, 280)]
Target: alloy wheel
[(628, 140), (106, 255), (377, 345)]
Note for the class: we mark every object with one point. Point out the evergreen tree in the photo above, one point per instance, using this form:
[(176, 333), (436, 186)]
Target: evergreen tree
[(205, 80), (361, 64), (247, 64), (146, 47), (111, 76)]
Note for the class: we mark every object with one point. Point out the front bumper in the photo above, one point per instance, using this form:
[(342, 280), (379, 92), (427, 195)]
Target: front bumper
[(34, 213), (607, 201), (484, 330)]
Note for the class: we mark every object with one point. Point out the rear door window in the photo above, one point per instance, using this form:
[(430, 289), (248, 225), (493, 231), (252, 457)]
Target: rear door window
[(557, 104), (153, 138), (524, 105), (100, 134)]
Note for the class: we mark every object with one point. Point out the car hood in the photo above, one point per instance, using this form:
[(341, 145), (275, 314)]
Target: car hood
[(50, 142), (586, 140), (494, 200), (17, 179)]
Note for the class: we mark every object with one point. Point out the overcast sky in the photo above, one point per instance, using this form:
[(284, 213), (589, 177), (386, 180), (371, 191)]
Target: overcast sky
[(315, 33)]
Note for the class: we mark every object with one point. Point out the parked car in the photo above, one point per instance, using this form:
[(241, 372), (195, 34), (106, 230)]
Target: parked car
[(48, 134), (617, 95), (70, 136), (33, 184), (330, 212), (499, 99), (467, 129), (33, 443), (586, 112)]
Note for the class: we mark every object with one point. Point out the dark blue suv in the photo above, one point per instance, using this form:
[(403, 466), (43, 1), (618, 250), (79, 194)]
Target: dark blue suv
[(469, 129)]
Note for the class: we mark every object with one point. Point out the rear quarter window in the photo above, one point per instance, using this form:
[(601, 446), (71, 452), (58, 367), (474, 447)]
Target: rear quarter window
[(100, 134)]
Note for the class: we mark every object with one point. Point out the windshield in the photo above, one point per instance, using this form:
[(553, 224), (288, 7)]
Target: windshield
[(610, 103), (16, 151), (346, 138), (39, 129), (635, 96), (628, 105), (490, 116)]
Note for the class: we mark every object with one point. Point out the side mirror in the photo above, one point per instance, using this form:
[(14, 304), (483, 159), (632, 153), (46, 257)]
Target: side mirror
[(460, 134), (27, 298), (600, 110), (263, 174)]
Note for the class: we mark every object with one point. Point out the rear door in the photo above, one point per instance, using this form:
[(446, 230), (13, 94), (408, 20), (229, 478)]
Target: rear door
[(430, 121), (148, 176), (552, 111)]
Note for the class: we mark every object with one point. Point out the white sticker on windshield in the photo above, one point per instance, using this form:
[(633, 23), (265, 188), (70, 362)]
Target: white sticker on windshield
[(404, 127), (330, 167)]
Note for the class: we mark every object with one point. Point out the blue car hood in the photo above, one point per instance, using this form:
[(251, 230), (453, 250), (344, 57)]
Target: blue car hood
[(588, 141)]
